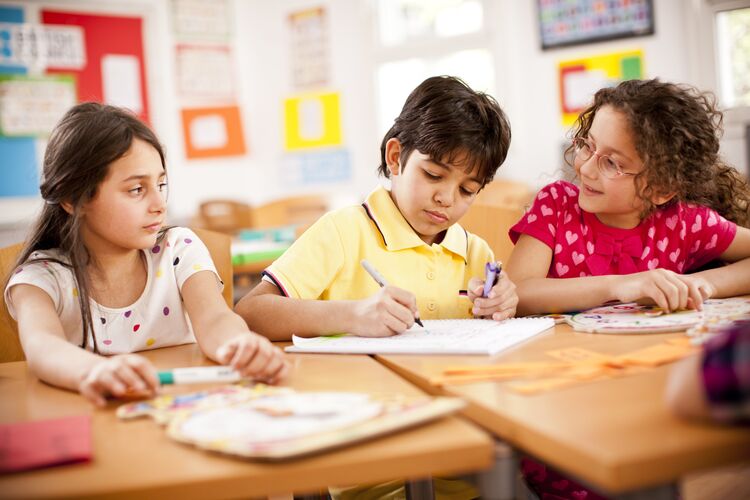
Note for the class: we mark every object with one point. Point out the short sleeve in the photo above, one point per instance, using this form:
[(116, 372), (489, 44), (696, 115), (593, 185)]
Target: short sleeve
[(710, 235), (47, 275), (189, 255), (726, 374), (311, 264), (543, 218)]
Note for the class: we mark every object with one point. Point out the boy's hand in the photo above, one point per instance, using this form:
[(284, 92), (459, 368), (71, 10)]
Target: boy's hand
[(389, 312), (669, 290), (255, 357), (500, 303), (122, 375)]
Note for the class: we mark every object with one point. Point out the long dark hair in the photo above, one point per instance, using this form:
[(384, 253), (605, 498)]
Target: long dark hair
[(447, 120), (676, 131), (80, 149)]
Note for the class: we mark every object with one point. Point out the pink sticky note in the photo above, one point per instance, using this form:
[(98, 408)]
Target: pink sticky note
[(41, 443)]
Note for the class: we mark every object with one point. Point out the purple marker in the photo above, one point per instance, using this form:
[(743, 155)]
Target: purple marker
[(492, 273)]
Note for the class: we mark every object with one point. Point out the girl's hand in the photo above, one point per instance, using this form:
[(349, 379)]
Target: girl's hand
[(389, 312), (669, 290), (500, 303), (123, 375), (255, 357)]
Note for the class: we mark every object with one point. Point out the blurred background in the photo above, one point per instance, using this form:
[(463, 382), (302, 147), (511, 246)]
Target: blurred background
[(272, 111)]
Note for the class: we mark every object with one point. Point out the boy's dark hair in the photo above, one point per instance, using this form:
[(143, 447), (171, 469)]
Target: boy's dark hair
[(676, 131), (448, 121), (80, 149)]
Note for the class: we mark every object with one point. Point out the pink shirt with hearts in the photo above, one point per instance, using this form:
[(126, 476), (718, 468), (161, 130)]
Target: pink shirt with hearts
[(682, 237)]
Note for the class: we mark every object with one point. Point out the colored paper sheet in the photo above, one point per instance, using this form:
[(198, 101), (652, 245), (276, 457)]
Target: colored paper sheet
[(41, 443), (581, 78), (213, 132), (312, 121)]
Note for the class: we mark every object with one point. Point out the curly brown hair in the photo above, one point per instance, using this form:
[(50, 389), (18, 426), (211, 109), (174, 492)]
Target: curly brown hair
[(676, 131)]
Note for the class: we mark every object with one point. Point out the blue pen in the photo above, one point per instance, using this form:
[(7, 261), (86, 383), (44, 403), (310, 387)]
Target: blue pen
[(492, 273)]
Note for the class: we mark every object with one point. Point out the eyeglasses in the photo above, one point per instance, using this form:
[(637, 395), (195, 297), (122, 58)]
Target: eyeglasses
[(607, 166)]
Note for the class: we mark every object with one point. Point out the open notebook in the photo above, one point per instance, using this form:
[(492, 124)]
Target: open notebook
[(444, 336)]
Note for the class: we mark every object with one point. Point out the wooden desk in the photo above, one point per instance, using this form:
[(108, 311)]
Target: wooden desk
[(137, 459), (616, 435)]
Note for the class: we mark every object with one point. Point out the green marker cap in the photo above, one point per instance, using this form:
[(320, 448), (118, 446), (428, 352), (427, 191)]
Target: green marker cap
[(166, 378)]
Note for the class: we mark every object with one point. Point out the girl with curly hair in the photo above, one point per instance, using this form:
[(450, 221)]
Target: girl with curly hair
[(652, 203)]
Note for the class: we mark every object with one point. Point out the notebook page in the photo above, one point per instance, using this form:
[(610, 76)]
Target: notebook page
[(450, 336)]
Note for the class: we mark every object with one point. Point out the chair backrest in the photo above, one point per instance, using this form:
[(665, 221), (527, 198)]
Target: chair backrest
[(300, 210), (10, 345), (505, 193), (492, 222), (219, 245), (226, 216)]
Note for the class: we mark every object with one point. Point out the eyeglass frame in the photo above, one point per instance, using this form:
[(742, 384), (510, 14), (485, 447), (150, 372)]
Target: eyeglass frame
[(618, 172)]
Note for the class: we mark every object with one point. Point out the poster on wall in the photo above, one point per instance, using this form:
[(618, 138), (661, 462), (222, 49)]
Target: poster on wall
[(310, 58), (312, 121), (581, 78), (213, 132), (39, 46), (32, 106), (114, 72), (571, 22), (199, 19), (323, 167), (205, 72)]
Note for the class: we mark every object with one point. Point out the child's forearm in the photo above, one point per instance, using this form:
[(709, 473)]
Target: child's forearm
[(58, 362), (278, 317), (730, 280), (547, 295), (217, 330)]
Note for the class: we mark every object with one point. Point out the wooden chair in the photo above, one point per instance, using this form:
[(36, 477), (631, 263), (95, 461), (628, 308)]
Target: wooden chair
[(300, 210), (219, 245), (492, 222), (507, 193), (10, 345), (498, 206), (225, 216)]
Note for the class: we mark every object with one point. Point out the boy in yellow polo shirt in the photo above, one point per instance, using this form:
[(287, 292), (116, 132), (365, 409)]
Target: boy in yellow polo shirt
[(446, 144)]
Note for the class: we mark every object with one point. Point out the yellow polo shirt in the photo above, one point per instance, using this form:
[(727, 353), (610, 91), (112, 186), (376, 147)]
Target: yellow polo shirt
[(324, 263)]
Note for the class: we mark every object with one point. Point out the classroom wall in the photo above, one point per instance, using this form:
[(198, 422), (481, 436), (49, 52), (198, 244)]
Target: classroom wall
[(526, 76)]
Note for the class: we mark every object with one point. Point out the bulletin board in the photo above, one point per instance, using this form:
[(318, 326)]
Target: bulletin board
[(581, 78), (572, 22), (19, 176), (115, 72)]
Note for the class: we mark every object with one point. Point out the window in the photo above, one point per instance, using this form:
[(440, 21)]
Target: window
[(733, 56), (417, 39)]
